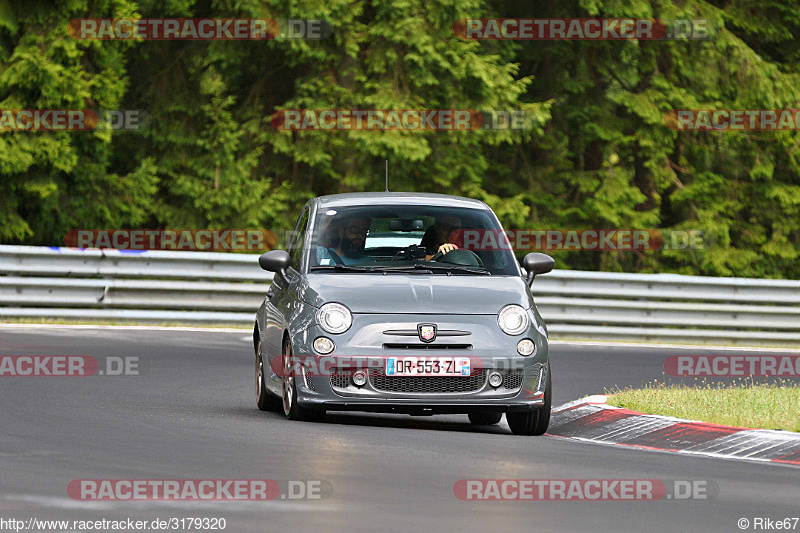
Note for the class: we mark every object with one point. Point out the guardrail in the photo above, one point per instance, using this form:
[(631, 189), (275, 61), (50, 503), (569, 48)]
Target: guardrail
[(200, 287)]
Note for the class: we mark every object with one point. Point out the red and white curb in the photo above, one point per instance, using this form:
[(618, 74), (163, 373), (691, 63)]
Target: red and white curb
[(592, 419)]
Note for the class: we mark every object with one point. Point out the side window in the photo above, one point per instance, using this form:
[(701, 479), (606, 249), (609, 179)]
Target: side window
[(298, 236)]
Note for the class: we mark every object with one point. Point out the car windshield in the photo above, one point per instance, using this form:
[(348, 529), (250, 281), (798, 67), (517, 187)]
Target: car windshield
[(391, 239)]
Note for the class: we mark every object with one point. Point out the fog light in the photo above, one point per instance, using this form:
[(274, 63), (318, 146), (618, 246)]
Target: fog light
[(525, 347), (495, 379), (323, 345), (359, 378)]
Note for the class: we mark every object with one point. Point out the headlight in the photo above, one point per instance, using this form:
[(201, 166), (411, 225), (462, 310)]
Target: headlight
[(513, 319), (334, 318)]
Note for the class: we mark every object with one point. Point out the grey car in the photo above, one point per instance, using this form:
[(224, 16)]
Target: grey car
[(406, 303)]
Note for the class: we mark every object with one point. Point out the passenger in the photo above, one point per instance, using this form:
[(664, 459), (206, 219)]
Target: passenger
[(352, 238), (345, 242)]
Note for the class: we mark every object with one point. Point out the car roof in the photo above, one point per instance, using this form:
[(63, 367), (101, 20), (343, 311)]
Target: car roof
[(397, 198)]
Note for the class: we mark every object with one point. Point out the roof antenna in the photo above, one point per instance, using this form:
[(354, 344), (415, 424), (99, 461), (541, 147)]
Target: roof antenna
[(387, 175)]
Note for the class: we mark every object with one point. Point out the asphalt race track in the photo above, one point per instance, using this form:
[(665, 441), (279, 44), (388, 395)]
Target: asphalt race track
[(191, 414)]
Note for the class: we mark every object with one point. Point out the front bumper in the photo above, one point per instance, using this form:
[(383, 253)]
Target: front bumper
[(317, 392), (364, 346)]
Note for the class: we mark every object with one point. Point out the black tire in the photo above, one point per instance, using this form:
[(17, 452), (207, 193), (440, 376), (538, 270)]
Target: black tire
[(533, 422), (485, 418), (265, 400), (291, 408)]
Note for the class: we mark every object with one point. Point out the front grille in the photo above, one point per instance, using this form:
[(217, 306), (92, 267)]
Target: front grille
[(340, 380), (513, 379), (430, 384), (423, 346)]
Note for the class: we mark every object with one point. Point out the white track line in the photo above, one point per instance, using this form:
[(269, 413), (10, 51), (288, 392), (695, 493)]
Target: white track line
[(151, 328), (56, 502), (677, 346)]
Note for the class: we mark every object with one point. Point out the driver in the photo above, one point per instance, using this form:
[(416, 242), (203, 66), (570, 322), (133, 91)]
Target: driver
[(352, 238), (437, 237)]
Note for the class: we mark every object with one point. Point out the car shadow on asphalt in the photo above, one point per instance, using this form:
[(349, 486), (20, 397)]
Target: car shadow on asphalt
[(408, 422), (433, 423)]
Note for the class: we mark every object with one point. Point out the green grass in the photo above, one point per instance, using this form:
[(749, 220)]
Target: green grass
[(741, 404)]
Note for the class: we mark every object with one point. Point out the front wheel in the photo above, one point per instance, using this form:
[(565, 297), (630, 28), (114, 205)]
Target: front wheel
[(533, 422), (291, 407)]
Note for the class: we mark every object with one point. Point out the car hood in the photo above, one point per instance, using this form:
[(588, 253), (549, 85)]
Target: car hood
[(437, 294)]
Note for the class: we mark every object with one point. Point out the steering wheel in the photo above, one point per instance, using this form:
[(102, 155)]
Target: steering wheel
[(438, 256)]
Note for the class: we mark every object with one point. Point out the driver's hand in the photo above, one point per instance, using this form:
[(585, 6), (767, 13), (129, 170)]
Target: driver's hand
[(447, 247)]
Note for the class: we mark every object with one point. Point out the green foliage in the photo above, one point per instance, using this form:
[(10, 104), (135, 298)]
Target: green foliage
[(598, 153)]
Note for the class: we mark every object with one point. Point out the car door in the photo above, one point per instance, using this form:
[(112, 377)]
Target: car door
[(283, 300)]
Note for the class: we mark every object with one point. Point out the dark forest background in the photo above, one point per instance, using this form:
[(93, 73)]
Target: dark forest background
[(599, 154)]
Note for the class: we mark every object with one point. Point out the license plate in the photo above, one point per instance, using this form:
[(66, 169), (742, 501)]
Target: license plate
[(427, 366)]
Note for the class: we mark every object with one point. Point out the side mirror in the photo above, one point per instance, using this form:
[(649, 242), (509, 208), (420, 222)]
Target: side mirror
[(275, 261), (537, 263)]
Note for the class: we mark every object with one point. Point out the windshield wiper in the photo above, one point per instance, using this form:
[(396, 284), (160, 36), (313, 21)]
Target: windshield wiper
[(417, 269), (341, 268), (453, 268), (383, 270)]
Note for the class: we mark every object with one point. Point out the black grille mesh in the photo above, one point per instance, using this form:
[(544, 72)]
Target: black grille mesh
[(512, 379), (340, 380), (430, 384)]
